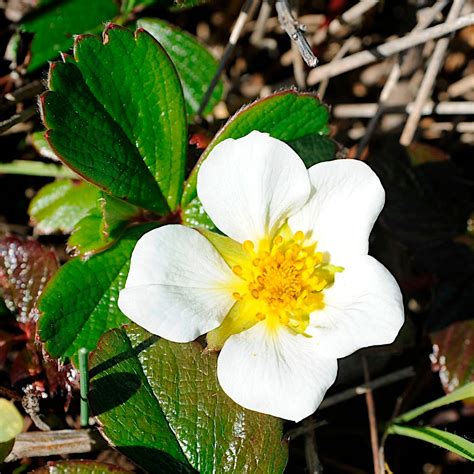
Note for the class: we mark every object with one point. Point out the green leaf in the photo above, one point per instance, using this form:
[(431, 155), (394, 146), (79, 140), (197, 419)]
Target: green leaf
[(451, 442), (195, 65), (287, 115), (314, 149), (80, 303), (462, 393), (60, 205), (41, 145), (36, 168), (79, 467), (87, 237), (115, 114), (116, 214), (160, 404), (5, 449), (54, 27), (187, 3), (11, 421), (102, 227), (194, 215)]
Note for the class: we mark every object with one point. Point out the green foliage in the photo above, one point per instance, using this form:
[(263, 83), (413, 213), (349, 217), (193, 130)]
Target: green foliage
[(195, 65), (463, 393), (314, 149), (54, 26), (454, 443), (289, 116), (194, 215), (41, 145), (87, 237), (11, 421), (160, 403), (80, 303), (444, 439), (115, 114), (60, 205), (102, 227)]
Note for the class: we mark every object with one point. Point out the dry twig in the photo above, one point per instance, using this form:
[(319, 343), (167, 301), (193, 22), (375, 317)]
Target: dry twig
[(372, 385), (23, 116), (295, 31), (369, 400), (429, 78), (387, 49), (367, 110), (244, 15), (351, 15), (52, 443), (394, 76)]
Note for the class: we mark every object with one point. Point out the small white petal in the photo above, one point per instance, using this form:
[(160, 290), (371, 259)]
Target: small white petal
[(249, 186), (363, 308), (347, 199), (178, 284), (275, 372)]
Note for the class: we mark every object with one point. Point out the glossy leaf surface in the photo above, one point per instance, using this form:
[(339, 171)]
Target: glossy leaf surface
[(160, 403), (453, 354), (80, 303), (25, 268), (195, 65), (54, 27), (454, 443), (60, 205), (115, 114)]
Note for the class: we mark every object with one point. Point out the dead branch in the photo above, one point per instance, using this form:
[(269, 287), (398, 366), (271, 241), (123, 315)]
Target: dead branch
[(429, 78), (388, 49)]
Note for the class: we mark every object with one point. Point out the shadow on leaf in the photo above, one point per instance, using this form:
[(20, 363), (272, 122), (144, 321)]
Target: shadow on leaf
[(113, 390), (113, 361)]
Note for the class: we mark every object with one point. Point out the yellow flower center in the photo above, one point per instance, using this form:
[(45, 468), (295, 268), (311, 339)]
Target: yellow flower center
[(283, 280)]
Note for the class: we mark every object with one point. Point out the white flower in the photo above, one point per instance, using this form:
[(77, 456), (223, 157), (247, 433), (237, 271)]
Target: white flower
[(290, 289)]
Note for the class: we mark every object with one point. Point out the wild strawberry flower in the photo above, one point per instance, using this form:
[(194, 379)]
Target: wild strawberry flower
[(287, 290)]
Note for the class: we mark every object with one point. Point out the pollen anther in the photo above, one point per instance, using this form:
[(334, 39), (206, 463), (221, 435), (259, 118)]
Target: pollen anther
[(287, 277)]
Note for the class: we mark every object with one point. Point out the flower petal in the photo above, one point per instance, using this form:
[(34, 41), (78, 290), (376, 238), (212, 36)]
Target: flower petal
[(363, 308), (178, 284), (249, 186), (347, 200), (275, 372)]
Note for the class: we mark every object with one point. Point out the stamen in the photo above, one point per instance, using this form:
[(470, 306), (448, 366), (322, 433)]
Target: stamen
[(285, 280), (299, 236), (237, 269), (248, 246), (277, 240)]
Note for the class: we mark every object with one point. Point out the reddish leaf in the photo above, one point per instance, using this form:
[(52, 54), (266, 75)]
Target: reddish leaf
[(25, 268), (420, 154), (26, 364), (453, 354)]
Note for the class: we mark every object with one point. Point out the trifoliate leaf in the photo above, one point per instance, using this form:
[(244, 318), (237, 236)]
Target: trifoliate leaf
[(115, 114)]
